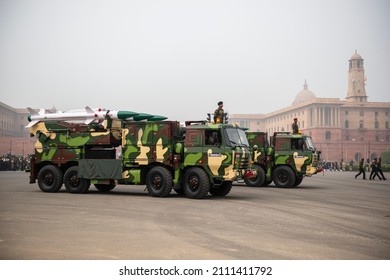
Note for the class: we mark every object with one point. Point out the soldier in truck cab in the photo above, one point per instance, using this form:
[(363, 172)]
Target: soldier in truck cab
[(297, 144), (212, 138)]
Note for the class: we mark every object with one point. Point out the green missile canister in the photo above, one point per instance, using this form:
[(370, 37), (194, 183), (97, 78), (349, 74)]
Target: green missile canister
[(157, 118), (122, 115), (142, 116)]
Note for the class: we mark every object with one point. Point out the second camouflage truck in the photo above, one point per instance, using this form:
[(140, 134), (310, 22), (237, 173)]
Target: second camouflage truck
[(288, 159), (194, 160)]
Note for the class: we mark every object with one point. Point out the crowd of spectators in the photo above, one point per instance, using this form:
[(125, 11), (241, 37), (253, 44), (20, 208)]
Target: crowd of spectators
[(348, 166), (337, 166), (11, 162)]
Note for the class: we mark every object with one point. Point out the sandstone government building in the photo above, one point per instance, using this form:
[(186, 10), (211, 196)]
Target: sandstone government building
[(342, 129)]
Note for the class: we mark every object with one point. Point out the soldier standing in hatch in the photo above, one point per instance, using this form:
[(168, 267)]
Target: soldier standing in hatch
[(361, 169), (219, 113), (295, 126)]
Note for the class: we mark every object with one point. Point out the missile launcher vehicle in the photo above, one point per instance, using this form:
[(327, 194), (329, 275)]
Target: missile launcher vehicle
[(286, 161), (195, 160)]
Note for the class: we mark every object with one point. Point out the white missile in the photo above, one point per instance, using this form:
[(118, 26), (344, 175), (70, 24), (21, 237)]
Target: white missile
[(87, 116)]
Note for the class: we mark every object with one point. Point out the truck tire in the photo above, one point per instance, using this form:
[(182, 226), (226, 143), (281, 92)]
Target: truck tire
[(73, 183), (298, 181), (104, 188), (284, 176), (257, 181), (196, 183), (159, 182), (267, 182), (179, 191), (223, 190), (50, 178)]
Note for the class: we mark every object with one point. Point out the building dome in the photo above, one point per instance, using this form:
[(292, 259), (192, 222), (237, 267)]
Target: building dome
[(356, 56), (304, 95)]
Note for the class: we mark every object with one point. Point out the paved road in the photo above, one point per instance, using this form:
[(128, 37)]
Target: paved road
[(327, 217)]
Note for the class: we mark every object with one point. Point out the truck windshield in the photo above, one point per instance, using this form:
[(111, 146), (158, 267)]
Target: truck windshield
[(237, 137), (309, 144)]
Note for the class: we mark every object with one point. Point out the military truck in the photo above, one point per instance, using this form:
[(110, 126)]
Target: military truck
[(288, 159), (194, 160)]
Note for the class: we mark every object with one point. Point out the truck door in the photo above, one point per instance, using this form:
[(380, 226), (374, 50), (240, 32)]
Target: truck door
[(203, 148), (214, 152), (283, 154)]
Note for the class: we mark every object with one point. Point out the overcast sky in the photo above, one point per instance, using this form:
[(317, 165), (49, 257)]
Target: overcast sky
[(179, 58)]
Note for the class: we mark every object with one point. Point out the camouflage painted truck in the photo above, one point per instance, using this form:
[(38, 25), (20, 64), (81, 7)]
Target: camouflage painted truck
[(288, 159), (194, 160)]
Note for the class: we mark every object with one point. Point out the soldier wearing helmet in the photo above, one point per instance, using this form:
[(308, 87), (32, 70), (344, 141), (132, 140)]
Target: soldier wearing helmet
[(219, 113), (295, 126)]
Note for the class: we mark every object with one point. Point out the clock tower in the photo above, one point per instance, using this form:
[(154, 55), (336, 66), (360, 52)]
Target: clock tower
[(356, 80)]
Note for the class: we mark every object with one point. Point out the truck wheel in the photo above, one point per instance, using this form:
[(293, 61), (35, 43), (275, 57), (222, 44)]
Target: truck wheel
[(298, 181), (73, 183), (159, 182), (50, 178), (257, 181), (196, 183), (179, 191), (104, 188), (284, 176), (223, 190), (267, 182)]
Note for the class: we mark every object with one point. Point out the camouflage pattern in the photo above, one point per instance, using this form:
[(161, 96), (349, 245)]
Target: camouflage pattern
[(143, 145), (301, 157), (151, 143), (221, 160), (294, 150), (218, 115), (61, 142), (260, 140)]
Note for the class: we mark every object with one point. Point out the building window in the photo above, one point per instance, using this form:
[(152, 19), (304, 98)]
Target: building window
[(346, 113), (327, 135), (358, 156), (361, 124), (376, 124), (346, 124)]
